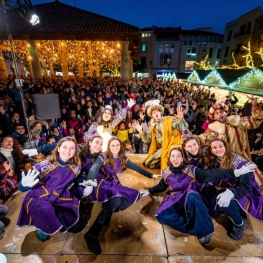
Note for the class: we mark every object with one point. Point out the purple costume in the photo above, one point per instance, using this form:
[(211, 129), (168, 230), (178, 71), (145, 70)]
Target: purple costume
[(109, 185), (251, 202), (50, 199), (180, 185)]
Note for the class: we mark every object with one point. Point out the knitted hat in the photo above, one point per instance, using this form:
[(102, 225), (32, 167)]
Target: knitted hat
[(153, 105), (215, 107)]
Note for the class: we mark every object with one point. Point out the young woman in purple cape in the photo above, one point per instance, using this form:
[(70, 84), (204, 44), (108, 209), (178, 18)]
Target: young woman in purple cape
[(49, 204), (235, 194), (88, 155), (183, 208), (110, 192)]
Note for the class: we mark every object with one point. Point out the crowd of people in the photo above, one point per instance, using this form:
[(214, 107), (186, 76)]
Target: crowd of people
[(202, 143)]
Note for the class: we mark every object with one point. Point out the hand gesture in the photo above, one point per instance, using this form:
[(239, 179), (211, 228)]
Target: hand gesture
[(248, 168), (30, 179), (89, 182), (156, 176), (30, 152), (130, 103), (141, 114), (88, 190), (253, 100), (180, 113), (223, 199), (137, 126), (144, 192), (2, 110)]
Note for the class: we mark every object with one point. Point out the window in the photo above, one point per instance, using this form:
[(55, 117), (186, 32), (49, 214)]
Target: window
[(210, 53), (204, 40), (238, 48), (204, 52), (191, 51), (248, 28), (165, 59), (166, 47), (242, 30), (260, 25), (161, 48), (143, 35), (143, 62), (229, 36), (185, 40), (189, 40), (146, 34), (226, 52), (172, 48), (144, 47), (194, 40), (218, 53)]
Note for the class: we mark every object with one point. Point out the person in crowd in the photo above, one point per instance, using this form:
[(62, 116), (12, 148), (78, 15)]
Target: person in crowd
[(235, 194), (233, 129), (10, 154), (128, 147), (182, 207), (56, 133), (50, 206), (124, 131), (108, 124), (20, 134), (110, 191), (164, 133), (184, 102)]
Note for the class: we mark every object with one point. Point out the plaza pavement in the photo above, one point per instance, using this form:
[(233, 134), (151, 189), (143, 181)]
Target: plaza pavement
[(134, 236)]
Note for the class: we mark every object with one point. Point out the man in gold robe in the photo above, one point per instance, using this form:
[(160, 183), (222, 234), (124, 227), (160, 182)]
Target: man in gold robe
[(164, 134)]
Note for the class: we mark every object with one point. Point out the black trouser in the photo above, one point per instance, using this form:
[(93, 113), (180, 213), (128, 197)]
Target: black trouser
[(115, 204)]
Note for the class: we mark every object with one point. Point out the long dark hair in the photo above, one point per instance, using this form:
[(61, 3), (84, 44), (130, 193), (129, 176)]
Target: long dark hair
[(211, 160), (16, 147), (121, 155), (86, 149), (200, 155)]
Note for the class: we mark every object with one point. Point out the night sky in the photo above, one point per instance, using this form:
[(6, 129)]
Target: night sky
[(165, 13)]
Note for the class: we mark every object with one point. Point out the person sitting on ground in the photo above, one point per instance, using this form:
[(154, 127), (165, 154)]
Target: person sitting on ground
[(182, 207)]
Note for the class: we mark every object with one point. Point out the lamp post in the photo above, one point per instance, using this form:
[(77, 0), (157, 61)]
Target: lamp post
[(34, 20)]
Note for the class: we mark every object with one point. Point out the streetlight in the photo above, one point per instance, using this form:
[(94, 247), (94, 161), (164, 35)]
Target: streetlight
[(34, 20)]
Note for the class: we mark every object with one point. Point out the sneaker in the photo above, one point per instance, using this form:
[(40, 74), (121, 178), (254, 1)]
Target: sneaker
[(42, 237), (206, 240), (237, 232)]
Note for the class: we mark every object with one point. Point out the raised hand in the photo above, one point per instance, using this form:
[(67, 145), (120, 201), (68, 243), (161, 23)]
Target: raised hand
[(30, 180), (252, 99), (130, 103), (88, 190), (180, 113), (137, 126)]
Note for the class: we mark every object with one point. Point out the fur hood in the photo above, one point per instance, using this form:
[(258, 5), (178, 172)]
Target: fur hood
[(220, 127)]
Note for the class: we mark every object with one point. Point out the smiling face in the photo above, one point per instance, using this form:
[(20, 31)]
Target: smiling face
[(95, 145), (66, 150), (176, 158), (8, 143), (192, 147), (115, 147), (218, 148), (220, 115), (106, 116)]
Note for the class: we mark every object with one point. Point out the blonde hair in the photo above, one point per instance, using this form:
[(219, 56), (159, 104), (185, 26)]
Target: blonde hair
[(75, 159)]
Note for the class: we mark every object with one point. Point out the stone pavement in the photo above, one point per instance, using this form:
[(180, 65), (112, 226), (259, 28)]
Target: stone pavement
[(134, 236)]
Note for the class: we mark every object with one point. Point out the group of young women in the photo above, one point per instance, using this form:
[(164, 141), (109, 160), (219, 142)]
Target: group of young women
[(194, 194)]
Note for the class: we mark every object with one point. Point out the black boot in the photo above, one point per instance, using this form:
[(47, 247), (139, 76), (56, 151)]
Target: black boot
[(77, 227), (92, 238)]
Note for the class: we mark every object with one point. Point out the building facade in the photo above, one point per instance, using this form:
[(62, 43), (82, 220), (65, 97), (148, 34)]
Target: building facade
[(239, 34), (169, 51)]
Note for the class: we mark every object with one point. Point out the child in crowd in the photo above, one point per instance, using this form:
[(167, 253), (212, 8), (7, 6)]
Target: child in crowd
[(124, 131), (128, 147)]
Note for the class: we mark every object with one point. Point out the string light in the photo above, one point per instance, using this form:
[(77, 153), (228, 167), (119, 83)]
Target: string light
[(218, 77)]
